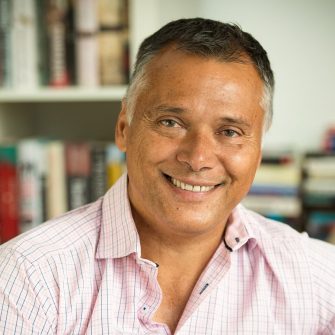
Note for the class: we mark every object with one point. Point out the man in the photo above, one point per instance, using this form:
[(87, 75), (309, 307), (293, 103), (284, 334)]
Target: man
[(169, 249)]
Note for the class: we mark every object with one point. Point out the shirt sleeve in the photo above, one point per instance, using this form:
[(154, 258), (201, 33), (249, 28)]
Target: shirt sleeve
[(322, 258), (25, 307)]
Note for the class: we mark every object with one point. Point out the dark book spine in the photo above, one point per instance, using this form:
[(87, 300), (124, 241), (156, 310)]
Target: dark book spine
[(78, 170), (56, 27), (5, 13), (98, 175)]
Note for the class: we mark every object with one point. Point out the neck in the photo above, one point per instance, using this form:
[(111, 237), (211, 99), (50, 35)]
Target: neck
[(191, 252)]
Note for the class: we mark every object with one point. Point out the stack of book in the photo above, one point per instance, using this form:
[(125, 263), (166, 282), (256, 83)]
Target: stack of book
[(275, 192), (319, 194), (58, 43), (40, 179)]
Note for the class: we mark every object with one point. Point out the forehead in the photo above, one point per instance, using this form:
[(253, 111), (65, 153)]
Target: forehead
[(188, 81), (173, 65)]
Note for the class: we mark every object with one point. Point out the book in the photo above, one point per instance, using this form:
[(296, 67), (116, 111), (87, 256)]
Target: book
[(115, 164), (5, 14), (43, 42), (112, 13), (56, 179), (86, 43), (9, 197), (24, 55), (269, 205), (281, 175), (98, 170), (32, 182), (112, 48), (329, 140), (87, 62), (321, 225), (56, 30), (319, 165), (86, 16), (78, 171)]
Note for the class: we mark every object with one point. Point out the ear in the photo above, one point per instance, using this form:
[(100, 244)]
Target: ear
[(121, 129)]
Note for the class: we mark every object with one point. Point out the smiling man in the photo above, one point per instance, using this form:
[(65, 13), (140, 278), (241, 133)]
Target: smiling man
[(169, 249)]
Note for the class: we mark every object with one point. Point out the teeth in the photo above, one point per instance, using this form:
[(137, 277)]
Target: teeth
[(192, 188)]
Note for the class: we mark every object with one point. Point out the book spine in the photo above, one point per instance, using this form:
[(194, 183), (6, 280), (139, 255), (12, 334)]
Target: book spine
[(112, 14), (31, 158), (4, 27), (56, 180), (87, 63), (9, 213), (59, 75), (7, 43), (24, 57), (43, 47), (78, 170), (98, 174), (115, 164), (86, 27), (112, 48)]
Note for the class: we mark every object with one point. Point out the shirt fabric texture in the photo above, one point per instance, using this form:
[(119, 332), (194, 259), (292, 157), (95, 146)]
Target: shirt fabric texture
[(82, 273)]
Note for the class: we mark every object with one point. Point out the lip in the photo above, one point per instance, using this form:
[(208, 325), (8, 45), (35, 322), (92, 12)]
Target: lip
[(191, 195)]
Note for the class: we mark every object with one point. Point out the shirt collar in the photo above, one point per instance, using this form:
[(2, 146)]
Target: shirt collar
[(238, 230), (118, 234)]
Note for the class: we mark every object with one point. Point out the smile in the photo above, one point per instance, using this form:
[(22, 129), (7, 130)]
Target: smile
[(189, 187)]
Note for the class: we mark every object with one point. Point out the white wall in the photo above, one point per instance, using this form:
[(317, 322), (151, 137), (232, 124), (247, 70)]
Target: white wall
[(299, 36)]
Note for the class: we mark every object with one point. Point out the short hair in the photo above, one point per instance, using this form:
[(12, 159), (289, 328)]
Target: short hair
[(209, 39)]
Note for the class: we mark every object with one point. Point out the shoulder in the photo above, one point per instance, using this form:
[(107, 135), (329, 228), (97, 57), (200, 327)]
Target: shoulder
[(274, 233), (73, 230), (274, 237), (305, 264)]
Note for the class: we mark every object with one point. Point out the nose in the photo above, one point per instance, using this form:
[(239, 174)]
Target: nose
[(198, 151)]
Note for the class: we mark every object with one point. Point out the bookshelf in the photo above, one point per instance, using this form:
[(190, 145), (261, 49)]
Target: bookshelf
[(70, 94), (74, 113), (55, 112)]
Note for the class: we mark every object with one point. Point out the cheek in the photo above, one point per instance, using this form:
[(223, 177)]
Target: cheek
[(242, 164)]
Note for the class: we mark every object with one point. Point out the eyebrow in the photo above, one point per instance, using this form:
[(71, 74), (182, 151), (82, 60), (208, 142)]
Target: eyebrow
[(235, 120), (170, 109), (179, 110)]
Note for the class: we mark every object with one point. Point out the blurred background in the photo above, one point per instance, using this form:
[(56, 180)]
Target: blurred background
[(64, 67)]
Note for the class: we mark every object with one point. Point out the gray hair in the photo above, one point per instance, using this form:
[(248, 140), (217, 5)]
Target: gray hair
[(209, 39)]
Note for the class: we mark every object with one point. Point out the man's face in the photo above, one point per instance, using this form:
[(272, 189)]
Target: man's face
[(194, 143)]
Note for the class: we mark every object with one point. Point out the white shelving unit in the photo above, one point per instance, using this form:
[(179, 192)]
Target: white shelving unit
[(73, 112), (69, 94), (81, 112)]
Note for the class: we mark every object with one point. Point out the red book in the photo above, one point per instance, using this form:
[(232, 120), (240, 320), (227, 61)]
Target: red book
[(9, 209)]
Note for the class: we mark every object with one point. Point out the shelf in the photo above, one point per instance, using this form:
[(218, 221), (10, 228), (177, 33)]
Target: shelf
[(67, 94)]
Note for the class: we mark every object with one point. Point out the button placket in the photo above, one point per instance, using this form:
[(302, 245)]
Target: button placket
[(153, 295)]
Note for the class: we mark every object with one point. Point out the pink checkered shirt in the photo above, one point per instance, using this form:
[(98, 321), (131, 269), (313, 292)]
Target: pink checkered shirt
[(82, 273)]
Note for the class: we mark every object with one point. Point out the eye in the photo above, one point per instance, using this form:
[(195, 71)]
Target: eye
[(230, 133), (169, 123)]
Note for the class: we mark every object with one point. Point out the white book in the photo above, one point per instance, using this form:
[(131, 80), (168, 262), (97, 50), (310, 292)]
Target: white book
[(23, 32), (56, 179), (87, 61), (86, 16), (32, 174), (281, 205)]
